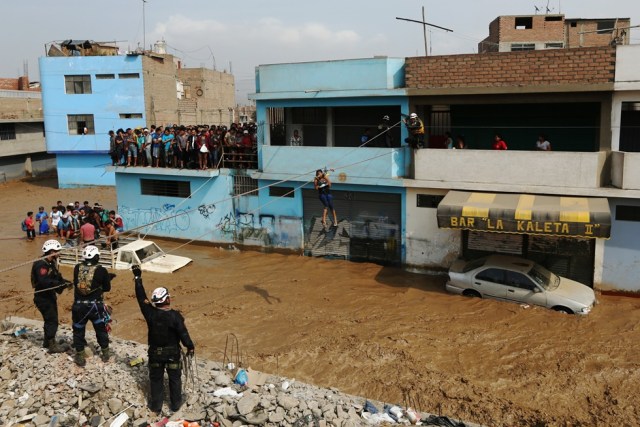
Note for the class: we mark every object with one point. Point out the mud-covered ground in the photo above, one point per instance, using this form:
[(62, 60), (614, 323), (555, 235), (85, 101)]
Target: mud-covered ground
[(370, 330)]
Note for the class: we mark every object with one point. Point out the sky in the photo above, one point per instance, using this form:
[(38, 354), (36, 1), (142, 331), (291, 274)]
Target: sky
[(238, 36)]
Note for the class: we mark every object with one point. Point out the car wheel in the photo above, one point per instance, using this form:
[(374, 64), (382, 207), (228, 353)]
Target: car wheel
[(562, 309), (471, 293)]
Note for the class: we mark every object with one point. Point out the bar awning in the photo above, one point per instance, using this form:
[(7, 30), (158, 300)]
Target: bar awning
[(526, 214)]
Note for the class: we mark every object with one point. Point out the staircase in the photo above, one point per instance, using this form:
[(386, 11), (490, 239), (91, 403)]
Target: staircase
[(73, 255)]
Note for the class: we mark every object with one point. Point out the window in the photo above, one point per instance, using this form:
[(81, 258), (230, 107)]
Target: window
[(627, 213), (281, 192), (519, 280), (606, 27), (167, 188), (516, 47), (245, 185), (130, 115), (7, 131), (574, 24), (428, 201), (553, 18), (77, 84), (524, 23), (493, 275), (129, 75), (553, 45), (105, 76), (78, 122)]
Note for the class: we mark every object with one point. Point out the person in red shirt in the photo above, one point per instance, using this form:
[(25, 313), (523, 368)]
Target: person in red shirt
[(30, 224), (499, 143), (87, 232)]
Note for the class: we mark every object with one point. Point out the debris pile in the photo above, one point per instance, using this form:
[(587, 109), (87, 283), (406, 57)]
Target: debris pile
[(41, 389)]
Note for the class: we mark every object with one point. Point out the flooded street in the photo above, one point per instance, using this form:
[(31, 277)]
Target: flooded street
[(369, 330)]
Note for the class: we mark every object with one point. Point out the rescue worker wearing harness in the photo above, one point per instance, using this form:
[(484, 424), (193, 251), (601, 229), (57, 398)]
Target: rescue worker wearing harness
[(166, 330), (90, 281), (415, 126), (47, 283)]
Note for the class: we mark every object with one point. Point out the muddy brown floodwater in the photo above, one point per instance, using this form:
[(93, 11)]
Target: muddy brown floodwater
[(370, 330)]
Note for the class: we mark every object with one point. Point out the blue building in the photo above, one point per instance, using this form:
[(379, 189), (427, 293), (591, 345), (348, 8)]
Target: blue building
[(83, 98)]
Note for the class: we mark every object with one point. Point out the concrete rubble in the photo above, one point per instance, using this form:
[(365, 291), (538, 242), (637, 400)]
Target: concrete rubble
[(41, 390)]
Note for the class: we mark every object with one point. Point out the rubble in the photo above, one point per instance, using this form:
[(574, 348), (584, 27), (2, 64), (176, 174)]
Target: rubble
[(49, 389)]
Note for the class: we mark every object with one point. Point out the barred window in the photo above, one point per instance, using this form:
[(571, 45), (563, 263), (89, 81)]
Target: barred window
[(627, 213), (78, 122), (516, 47), (428, 201), (7, 131), (77, 84), (166, 188), (105, 76), (130, 115), (245, 185), (129, 75)]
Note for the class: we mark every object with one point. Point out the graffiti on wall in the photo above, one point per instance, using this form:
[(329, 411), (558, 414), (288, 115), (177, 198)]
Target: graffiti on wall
[(262, 230), (207, 210), (166, 218)]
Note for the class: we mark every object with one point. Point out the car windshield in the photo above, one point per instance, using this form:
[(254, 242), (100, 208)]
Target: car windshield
[(148, 252), (544, 277)]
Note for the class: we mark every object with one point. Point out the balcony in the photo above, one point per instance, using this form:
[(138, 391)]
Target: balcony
[(488, 169), (366, 166), (625, 170)]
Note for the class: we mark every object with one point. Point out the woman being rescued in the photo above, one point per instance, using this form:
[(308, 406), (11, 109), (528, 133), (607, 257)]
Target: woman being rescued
[(322, 183)]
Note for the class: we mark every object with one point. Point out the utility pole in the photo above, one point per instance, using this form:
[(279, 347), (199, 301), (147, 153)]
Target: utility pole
[(424, 29), (144, 28)]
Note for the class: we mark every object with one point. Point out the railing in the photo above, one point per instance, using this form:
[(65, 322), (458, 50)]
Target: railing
[(238, 158)]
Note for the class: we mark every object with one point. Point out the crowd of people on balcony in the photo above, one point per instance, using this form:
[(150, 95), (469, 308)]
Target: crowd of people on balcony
[(185, 147)]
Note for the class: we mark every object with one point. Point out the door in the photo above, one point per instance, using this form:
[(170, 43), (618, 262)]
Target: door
[(521, 289), (491, 283)]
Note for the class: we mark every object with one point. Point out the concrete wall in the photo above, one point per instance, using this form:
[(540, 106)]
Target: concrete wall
[(428, 246), (353, 74), (160, 92), (531, 68), (530, 168), (375, 166), (26, 165), (626, 170), (29, 139), (622, 252), (83, 170), (20, 105)]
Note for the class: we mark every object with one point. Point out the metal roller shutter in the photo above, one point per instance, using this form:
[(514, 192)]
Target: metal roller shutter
[(369, 226)]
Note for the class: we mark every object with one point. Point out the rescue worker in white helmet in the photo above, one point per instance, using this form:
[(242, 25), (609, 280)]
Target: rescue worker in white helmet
[(415, 126), (47, 282), (385, 127), (166, 330), (90, 281)]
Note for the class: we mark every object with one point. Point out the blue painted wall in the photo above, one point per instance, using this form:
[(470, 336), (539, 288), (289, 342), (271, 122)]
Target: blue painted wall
[(107, 100), (622, 251)]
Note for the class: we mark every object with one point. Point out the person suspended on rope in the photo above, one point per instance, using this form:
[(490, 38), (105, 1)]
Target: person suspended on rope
[(47, 282), (166, 331), (385, 127), (322, 183), (415, 126), (90, 281)]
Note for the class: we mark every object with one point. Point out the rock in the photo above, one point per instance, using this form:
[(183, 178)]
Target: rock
[(247, 403), (197, 415), (5, 373), (40, 419), (276, 416), (286, 401), (222, 379), (96, 420), (115, 405), (90, 387)]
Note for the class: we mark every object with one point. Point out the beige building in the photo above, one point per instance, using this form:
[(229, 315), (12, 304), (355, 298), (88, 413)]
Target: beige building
[(24, 150), (186, 96), (537, 32)]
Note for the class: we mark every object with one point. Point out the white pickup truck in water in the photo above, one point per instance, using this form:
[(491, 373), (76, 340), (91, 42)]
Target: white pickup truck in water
[(149, 257)]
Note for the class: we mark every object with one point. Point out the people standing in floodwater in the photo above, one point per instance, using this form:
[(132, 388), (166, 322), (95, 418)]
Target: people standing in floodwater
[(322, 183)]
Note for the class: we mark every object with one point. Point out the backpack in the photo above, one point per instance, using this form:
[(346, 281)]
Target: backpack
[(23, 224), (85, 279)]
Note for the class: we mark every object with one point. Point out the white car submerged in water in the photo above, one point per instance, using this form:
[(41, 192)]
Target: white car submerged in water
[(519, 280), (149, 257)]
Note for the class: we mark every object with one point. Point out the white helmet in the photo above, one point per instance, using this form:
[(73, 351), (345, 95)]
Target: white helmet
[(385, 118), (90, 252), (51, 245), (413, 115), (159, 295)]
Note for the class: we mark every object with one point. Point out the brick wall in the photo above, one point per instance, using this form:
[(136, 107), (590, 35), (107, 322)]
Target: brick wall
[(530, 68), (542, 30), (590, 38), (9, 84)]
